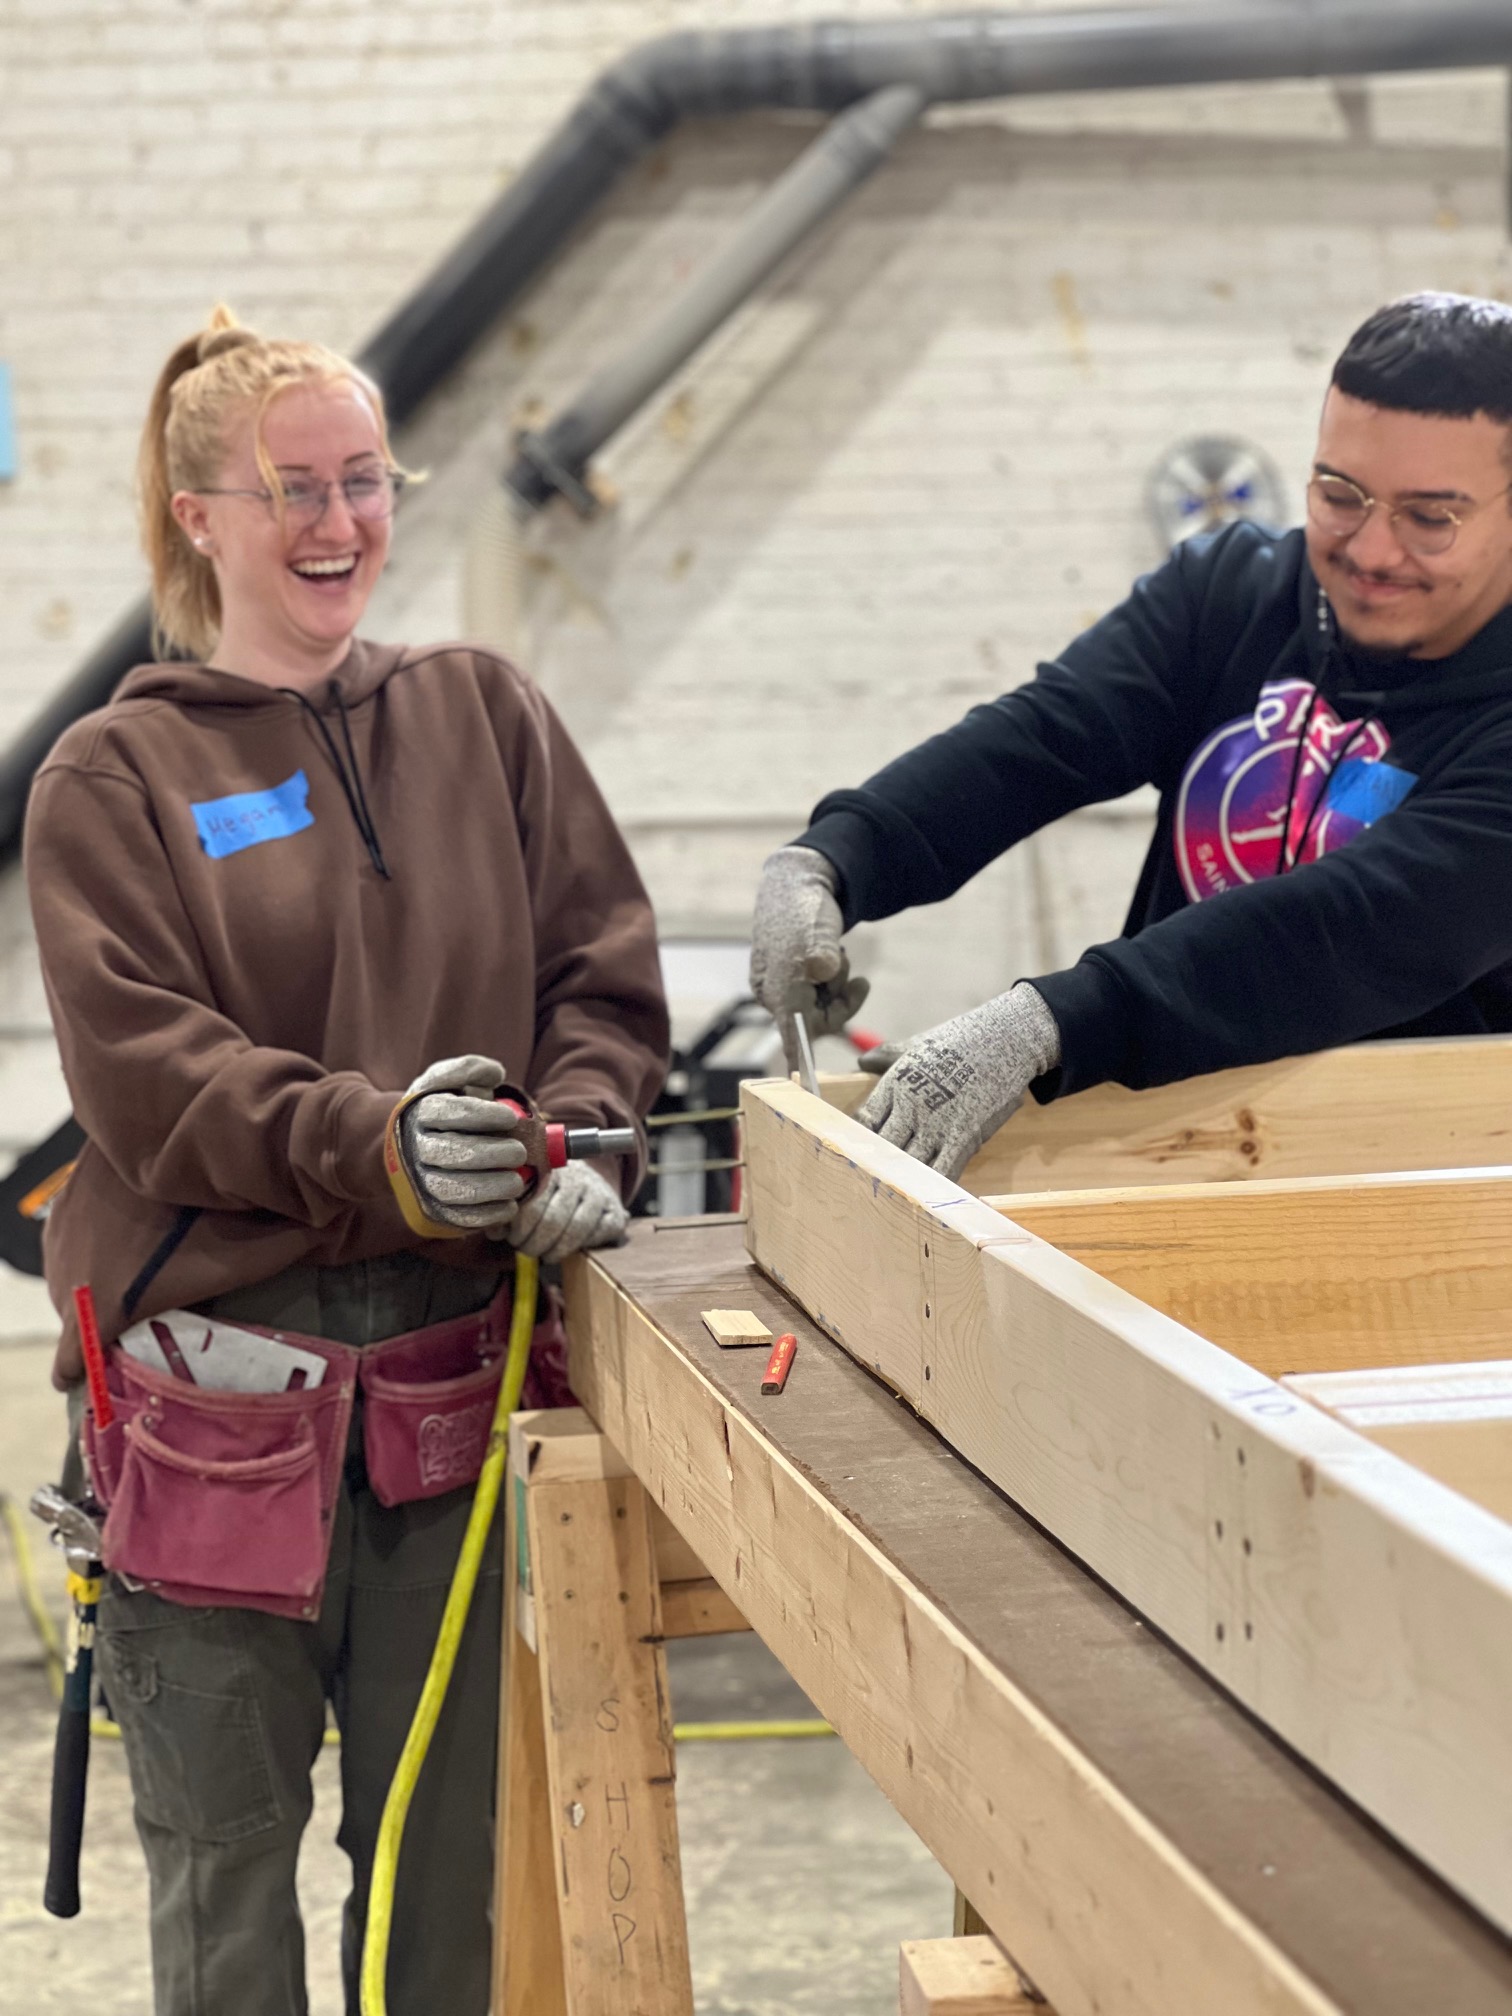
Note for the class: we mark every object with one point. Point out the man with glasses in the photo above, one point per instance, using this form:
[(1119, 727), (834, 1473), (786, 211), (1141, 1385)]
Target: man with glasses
[(1327, 715)]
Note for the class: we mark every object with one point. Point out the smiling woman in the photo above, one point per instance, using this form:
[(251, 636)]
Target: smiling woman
[(247, 444), (300, 899)]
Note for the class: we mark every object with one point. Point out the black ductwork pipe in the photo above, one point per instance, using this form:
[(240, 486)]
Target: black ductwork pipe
[(818, 67)]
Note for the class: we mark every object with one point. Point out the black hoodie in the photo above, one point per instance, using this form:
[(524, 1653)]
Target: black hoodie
[(1333, 855)]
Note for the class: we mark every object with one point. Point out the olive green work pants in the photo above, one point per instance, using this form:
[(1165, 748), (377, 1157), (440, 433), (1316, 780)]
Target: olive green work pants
[(223, 1713)]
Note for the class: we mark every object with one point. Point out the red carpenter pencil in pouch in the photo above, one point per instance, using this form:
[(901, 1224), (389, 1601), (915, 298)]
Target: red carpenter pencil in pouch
[(94, 1357)]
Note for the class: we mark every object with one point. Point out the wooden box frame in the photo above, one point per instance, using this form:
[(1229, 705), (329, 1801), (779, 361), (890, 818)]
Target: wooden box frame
[(1361, 1608)]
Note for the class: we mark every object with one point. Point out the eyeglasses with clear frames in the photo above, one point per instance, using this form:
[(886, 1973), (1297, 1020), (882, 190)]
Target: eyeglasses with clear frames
[(1425, 528), (370, 495)]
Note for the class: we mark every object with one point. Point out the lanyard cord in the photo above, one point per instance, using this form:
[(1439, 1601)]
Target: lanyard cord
[(351, 785), (1284, 866), (1323, 790)]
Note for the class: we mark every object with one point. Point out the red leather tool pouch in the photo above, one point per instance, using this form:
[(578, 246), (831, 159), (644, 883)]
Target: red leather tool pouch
[(429, 1398), (223, 1498)]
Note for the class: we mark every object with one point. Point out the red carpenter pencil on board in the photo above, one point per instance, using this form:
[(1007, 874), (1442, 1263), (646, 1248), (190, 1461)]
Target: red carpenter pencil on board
[(94, 1357), (780, 1363)]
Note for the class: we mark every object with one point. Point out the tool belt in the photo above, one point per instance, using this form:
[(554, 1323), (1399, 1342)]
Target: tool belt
[(230, 1498)]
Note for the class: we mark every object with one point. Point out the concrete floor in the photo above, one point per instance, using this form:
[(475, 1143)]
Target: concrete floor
[(801, 1879)]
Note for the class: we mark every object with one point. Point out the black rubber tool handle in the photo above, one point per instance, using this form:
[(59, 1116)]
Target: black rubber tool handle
[(70, 1781)]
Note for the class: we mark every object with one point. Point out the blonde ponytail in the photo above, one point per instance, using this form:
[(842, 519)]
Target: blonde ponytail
[(213, 381)]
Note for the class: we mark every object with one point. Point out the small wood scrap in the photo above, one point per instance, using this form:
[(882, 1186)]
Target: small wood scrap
[(962, 1977), (732, 1329)]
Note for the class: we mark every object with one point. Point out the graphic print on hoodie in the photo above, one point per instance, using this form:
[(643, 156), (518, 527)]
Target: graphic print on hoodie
[(1280, 786)]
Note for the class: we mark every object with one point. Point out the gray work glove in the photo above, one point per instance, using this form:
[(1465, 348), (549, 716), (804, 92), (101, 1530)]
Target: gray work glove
[(796, 958), (573, 1210), (946, 1091), (457, 1145)]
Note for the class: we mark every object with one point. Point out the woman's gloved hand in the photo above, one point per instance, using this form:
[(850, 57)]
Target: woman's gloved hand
[(574, 1210), (946, 1091), (456, 1147)]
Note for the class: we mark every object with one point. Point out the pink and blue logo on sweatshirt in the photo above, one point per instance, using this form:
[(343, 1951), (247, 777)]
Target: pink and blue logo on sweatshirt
[(1234, 797)]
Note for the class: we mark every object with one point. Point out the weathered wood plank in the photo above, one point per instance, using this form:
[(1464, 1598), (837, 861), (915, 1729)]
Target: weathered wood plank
[(1371, 1106), (778, 1498), (1097, 1903), (1361, 1609), (1316, 1274)]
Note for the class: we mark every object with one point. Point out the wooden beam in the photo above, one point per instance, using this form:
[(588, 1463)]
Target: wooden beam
[(610, 1763), (1091, 1895), (698, 1609), (961, 1977), (1454, 1421), (1358, 1607), (1070, 1767), (527, 1952), (1318, 1274), (1373, 1106)]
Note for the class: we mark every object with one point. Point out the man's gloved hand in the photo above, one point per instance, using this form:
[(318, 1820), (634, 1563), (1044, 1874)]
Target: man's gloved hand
[(573, 1210), (946, 1091), (457, 1148), (797, 962)]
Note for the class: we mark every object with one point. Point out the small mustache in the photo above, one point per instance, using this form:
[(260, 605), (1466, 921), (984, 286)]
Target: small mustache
[(1379, 579)]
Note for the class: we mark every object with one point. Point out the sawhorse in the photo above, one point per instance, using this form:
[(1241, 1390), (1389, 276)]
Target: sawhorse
[(589, 1911)]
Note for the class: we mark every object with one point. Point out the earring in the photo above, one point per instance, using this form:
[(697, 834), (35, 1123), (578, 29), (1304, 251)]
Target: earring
[(202, 545)]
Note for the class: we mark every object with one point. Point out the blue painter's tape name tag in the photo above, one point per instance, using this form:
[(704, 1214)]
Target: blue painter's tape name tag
[(248, 818)]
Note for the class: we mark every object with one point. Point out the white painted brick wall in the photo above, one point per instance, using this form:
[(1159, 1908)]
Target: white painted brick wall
[(910, 468)]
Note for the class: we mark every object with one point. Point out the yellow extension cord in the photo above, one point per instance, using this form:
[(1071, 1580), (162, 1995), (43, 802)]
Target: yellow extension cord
[(380, 1911)]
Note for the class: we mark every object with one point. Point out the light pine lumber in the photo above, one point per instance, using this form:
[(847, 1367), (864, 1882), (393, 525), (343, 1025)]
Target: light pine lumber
[(675, 1559), (560, 1445), (733, 1329), (610, 1758), (961, 1977), (966, 1922), (1104, 1912), (1420, 1104), (527, 1956), (1314, 1274), (698, 1609), (1357, 1606), (1454, 1421)]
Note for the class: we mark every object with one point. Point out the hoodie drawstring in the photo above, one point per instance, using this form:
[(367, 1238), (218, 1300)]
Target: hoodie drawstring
[(1285, 863), (351, 781)]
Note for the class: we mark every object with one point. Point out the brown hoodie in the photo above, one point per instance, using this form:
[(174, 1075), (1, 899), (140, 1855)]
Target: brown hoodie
[(242, 989)]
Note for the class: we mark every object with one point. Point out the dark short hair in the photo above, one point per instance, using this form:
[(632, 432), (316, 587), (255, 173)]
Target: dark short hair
[(1444, 354)]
